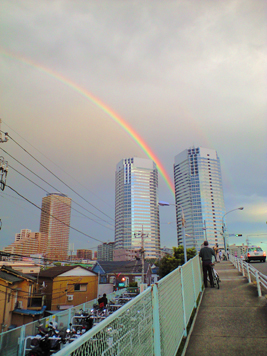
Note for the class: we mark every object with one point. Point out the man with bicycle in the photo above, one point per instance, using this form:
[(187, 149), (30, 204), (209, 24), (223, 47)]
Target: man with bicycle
[(206, 254)]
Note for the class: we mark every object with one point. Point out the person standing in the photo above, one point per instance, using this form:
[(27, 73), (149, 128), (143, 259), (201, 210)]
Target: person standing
[(206, 254), (220, 255), (103, 301)]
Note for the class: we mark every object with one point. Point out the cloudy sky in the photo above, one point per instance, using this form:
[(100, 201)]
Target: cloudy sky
[(181, 73)]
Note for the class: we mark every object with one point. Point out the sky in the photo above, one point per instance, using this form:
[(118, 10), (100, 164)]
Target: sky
[(179, 73)]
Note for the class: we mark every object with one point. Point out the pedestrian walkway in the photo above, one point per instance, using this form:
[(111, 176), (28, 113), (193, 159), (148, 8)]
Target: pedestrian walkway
[(232, 320)]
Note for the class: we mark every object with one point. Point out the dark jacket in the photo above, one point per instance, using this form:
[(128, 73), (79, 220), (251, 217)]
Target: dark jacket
[(206, 254)]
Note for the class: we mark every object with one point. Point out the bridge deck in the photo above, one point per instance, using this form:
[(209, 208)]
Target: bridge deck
[(232, 320)]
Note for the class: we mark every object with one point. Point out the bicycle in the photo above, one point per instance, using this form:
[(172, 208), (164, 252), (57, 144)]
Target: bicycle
[(215, 276)]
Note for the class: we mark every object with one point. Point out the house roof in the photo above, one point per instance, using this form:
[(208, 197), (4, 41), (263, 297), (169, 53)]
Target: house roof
[(29, 311), (12, 272), (9, 277), (56, 271), (123, 266)]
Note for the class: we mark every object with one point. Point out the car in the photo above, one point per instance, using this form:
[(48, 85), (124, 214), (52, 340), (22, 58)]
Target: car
[(254, 253)]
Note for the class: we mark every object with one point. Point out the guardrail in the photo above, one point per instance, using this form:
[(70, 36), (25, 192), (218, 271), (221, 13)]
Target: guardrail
[(153, 323), (250, 272)]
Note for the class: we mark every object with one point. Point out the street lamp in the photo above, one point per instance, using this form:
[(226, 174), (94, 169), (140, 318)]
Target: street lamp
[(164, 203), (223, 225)]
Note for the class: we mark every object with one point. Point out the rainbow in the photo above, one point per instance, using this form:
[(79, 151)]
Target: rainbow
[(119, 120)]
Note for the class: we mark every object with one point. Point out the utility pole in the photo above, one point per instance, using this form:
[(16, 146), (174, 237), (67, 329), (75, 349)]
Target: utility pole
[(142, 251), (3, 163), (6, 134)]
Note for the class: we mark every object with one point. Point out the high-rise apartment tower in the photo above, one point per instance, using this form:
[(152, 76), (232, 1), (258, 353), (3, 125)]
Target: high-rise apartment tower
[(136, 206), (199, 193), (55, 220)]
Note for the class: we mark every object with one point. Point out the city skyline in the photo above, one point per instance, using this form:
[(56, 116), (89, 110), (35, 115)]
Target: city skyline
[(181, 74)]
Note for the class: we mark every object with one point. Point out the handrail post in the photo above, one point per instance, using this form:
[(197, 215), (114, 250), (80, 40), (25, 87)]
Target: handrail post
[(21, 340), (183, 298), (249, 279), (258, 283), (69, 316), (156, 322), (242, 266), (200, 275), (194, 285)]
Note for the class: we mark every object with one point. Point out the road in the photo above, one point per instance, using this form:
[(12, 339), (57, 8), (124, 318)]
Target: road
[(262, 267)]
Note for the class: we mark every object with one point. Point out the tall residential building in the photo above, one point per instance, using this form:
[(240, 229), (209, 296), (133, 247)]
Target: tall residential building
[(199, 191), (84, 254), (136, 206), (23, 233), (28, 243), (105, 251), (55, 220)]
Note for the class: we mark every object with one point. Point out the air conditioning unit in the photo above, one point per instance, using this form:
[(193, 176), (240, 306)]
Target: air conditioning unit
[(20, 305), (70, 297)]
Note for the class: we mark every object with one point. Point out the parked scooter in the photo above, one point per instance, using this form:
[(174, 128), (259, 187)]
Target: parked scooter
[(46, 342)]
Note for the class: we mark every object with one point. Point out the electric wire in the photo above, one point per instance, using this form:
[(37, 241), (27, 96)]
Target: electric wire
[(73, 228), (37, 185), (52, 185), (53, 162), (58, 178)]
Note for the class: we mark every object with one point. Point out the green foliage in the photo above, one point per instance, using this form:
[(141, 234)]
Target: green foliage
[(169, 263), (57, 263), (152, 261), (133, 284)]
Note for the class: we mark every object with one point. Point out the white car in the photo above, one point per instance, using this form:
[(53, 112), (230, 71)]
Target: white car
[(254, 253)]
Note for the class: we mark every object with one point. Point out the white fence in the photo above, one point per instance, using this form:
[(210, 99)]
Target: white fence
[(252, 274)]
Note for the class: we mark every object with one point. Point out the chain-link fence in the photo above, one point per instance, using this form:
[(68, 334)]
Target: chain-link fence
[(153, 323)]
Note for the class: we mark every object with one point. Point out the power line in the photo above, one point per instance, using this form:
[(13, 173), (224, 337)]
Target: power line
[(58, 177), (51, 185), (58, 198), (52, 215), (54, 163)]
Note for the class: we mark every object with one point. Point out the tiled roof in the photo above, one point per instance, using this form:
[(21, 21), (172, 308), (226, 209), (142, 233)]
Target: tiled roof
[(9, 277), (56, 271), (15, 273), (123, 266)]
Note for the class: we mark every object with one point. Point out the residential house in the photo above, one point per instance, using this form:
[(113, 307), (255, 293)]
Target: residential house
[(122, 273), (20, 301), (67, 286)]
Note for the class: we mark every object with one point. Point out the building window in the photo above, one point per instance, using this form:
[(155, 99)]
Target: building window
[(80, 287)]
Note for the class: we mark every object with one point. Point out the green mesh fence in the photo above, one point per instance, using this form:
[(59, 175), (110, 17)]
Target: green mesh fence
[(171, 312), (128, 331), (153, 323)]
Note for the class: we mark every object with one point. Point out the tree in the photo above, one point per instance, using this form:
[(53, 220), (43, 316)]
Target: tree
[(169, 263)]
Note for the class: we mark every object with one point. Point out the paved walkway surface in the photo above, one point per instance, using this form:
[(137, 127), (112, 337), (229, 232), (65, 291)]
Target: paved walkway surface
[(232, 320)]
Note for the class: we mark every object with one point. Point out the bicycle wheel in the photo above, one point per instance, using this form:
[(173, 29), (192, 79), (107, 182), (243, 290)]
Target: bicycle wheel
[(218, 282)]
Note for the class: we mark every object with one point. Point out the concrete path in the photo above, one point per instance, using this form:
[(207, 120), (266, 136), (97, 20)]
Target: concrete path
[(232, 320)]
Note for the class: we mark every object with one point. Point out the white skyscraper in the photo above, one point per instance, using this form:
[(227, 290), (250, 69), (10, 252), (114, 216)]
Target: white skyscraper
[(136, 206), (198, 190)]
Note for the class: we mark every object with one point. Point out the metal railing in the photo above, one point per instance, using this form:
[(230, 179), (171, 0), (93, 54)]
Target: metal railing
[(12, 341), (252, 274), (153, 323)]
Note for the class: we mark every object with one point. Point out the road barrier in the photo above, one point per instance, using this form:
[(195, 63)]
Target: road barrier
[(252, 274)]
